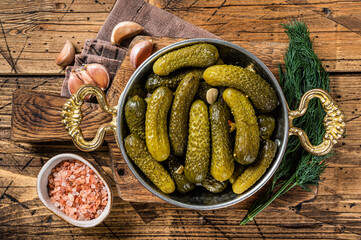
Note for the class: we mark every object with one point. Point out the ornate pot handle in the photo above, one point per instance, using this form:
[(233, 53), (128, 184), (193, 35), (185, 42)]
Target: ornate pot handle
[(334, 122), (72, 117)]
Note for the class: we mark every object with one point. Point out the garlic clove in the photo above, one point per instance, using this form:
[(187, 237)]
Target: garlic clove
[(84, 75), (125, 30), (67, 55), (140, 52), (212, 95), (99, 74), (74, 82)]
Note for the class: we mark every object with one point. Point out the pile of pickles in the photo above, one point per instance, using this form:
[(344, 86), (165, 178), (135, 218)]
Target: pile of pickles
[(179, 140)]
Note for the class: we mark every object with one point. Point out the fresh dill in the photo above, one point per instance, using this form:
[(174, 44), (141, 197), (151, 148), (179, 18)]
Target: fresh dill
[(303, 71)]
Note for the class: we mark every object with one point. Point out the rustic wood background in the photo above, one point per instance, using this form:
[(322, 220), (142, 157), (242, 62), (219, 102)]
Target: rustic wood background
[(33, 32)]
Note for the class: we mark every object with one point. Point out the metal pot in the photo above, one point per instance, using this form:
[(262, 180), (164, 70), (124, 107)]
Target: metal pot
[(231, 54)]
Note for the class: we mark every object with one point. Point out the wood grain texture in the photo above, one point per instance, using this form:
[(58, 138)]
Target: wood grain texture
[(36, 117), (333, 214), (40, 28), (34, 32)]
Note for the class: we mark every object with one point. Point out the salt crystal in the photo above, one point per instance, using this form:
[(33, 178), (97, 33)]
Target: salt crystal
[(71, 197), (69, 203), (76, 190)]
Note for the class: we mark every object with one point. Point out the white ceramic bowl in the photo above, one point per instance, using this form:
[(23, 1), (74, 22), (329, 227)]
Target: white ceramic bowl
[(43, 194)]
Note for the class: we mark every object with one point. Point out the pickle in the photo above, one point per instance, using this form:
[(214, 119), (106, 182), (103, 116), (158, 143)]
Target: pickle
[(135, 109), (213, 185), (202, 91), (198, 147), (156, 134), (255, 171), (266, 124), (172, 80), (183, 185), (247, 136), (219, 62), (238, 170), (222, 163), (198, 55), (262, 95), (147, 99), (137, 151), (178, 122)]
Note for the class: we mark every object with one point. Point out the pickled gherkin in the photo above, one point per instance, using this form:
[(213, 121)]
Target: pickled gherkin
[(156, 134), (262, 95), (238, 170), (198, 55), (174, 167), (214, 185), (247, 136), (179, 115), (137, 151), (222, 162), (255, 171), (172, 80), (198, 146), (266, 124), (135, 110)]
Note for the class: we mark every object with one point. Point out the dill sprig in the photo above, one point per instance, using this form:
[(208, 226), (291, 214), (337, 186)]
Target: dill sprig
[(303, 71)]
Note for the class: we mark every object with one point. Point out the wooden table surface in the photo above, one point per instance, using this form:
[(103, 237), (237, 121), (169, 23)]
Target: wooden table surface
[(33, 32)]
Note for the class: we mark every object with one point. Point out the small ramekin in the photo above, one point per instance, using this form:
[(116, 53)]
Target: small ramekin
[(43, 193)]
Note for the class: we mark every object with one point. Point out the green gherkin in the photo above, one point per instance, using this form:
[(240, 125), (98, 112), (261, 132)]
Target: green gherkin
[(262, 95), (198, 55), (238, 170), (135, 110), (214, 185), (172, 80), (174, 166), (137, 151), (198, 146), (156, 134), (247, 136), (179, 115), (222, 163), (266, 124), (255, 171)]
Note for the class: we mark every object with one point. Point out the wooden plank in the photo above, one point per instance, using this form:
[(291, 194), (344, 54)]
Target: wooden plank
[(256, 26), (27, 217), (36, 31)]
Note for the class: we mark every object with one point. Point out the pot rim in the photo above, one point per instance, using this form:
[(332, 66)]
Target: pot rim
[(281, 146)]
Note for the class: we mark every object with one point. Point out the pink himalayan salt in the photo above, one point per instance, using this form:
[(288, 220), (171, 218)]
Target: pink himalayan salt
[(76, 190)]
